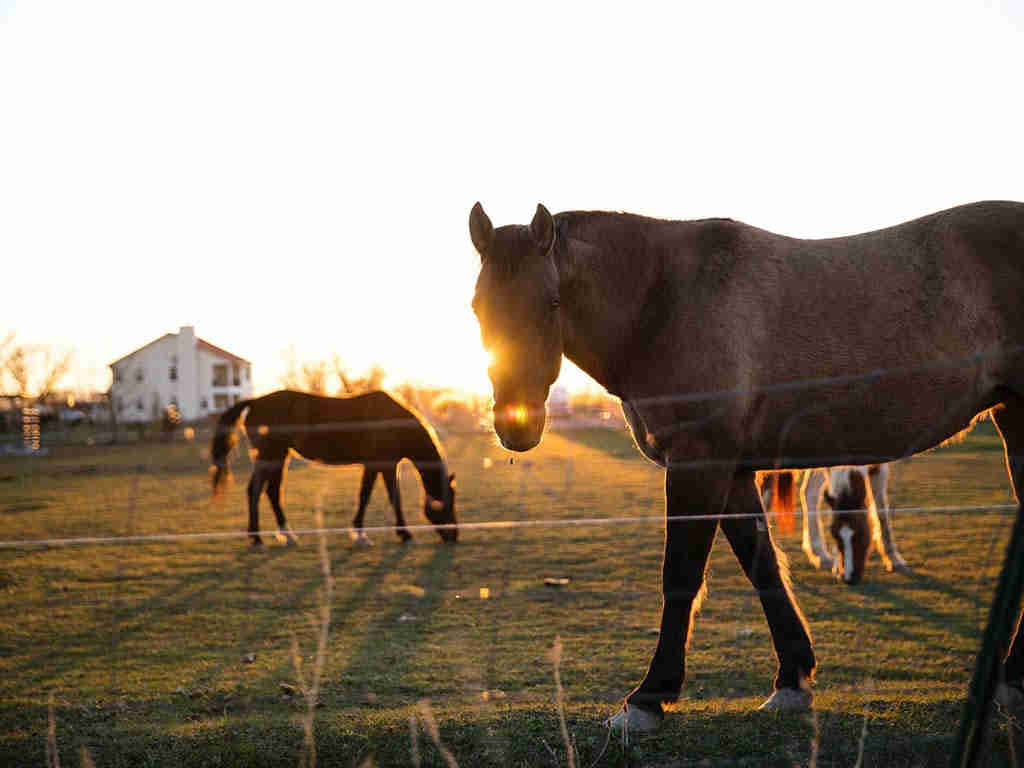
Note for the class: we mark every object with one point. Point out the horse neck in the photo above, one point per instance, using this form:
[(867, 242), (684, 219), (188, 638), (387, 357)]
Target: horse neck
[(599, 317), (432, 468)]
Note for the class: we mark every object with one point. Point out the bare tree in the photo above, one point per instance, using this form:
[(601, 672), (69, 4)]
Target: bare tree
[(315, 376), (34, 370)]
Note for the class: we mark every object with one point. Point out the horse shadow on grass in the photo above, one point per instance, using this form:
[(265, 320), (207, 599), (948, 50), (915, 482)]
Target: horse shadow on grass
[(126, 620), (391, 639)]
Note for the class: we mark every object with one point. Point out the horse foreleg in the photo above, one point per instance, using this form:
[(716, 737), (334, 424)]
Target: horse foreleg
[(767, 569), (811, 496), (878, 476), (365, 490), (395, 497), (254, 491), (687, 546), (274, 487)]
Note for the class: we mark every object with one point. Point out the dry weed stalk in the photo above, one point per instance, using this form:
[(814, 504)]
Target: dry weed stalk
[(52, 755), (321, 629), (556, 658), (430, 726), (815, 740), (414, 740), (869, 687)]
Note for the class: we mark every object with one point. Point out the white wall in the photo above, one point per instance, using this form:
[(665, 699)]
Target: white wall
[(192, 390)]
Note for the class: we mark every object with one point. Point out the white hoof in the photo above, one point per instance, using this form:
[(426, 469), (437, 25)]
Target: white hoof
[(820, 562), (897, 563), (360, 539), (788, 700), (287, 538), (634, 720)]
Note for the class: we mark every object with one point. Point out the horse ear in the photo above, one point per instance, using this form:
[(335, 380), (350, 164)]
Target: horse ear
[(543, 228), (480, 230)]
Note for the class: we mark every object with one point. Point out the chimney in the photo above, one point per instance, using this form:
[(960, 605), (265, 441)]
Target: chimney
[(188, 373)]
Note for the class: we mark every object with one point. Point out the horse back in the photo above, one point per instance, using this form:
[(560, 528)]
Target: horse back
[(371, 427)]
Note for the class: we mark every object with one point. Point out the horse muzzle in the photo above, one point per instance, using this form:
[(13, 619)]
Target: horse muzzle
[(519, 426)]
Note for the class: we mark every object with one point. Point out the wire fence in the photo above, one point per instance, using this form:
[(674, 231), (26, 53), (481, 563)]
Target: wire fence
[(132, 599)]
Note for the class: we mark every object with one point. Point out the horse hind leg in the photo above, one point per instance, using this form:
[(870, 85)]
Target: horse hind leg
[(275, 485), (365, 491), (395, 497), (255, 489), (751, 541), (1005, 625), (811, 496)]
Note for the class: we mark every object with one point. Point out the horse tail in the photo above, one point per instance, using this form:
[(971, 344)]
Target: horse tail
[(224, 440), (784, 501)]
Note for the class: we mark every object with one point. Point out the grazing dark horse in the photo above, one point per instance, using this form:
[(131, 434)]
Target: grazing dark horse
[(372, 429), (698, 326)]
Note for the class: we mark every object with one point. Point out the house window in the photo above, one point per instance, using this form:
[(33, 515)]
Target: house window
[(220, 402), (138, 404), (236, 375), (120, 403), (247, 373), (220, 375), (118, 375), (174, 373), (138, 374), (203, 404)]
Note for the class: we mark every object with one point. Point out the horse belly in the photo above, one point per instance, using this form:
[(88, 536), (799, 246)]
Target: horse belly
[(335, 447), (868, 424)]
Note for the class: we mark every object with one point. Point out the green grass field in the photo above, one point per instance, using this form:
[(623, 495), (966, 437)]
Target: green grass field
[(180, 653)]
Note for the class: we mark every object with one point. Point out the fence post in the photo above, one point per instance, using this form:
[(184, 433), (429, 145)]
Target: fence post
[(1002, 618), (30, 429)]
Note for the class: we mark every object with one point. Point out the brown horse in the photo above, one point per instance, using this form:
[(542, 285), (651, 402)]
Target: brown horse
[(697, 327), (371, 429)]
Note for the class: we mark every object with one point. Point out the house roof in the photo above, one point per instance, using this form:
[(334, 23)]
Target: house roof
[(212, 348), (219, 352)]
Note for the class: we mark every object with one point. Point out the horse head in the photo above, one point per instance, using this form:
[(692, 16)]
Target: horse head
[(441, 511), (517, 305), (850, 526)]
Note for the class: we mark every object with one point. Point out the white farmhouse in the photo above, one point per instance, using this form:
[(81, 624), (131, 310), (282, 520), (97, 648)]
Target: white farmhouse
[(180, 369)]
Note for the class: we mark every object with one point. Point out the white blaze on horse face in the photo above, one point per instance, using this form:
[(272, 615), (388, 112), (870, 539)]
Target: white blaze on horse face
[(846, 534)]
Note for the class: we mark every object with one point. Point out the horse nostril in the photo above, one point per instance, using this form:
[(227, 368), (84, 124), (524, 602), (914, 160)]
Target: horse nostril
[(518, 414)]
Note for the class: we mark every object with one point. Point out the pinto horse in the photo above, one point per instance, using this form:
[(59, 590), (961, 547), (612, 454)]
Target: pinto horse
[(371, 429), (697, 326), (861, 518)]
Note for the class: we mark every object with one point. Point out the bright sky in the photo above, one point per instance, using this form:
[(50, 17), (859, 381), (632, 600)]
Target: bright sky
[(302, 173)]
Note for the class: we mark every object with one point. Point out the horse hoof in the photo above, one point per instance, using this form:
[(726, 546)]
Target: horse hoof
[(287, 538), (361, 540), (788, 700), (257, 548), (898, 564), (634, 720), (406, 538)]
